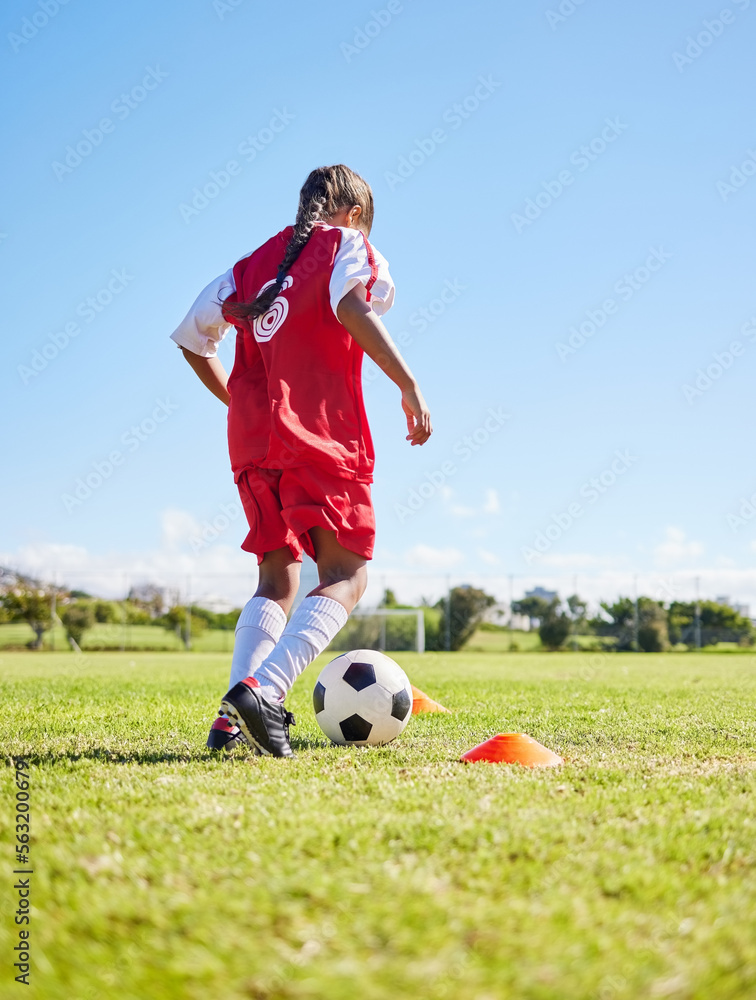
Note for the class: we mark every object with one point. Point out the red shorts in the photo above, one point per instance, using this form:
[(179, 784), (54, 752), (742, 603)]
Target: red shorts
[(282, 506)]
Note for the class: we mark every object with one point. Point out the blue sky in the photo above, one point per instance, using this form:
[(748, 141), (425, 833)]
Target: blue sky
[(536, 166)]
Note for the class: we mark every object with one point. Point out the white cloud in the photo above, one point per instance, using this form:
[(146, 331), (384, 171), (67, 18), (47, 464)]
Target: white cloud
[(491, 504), (204, 556), (488, 557), (458, 511), (675, 548), (428, 557), (570, 561), (178, 527)]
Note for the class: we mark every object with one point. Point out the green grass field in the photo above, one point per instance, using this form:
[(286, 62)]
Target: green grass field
[(394, 872)]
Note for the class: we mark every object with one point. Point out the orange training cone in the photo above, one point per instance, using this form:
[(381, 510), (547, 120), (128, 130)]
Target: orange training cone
[(422, 703), (513, 748)]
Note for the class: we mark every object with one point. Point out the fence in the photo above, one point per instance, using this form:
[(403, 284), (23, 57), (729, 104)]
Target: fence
[(222, 591)]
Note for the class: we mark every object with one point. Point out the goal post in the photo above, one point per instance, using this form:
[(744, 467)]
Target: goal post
[(386, 629)]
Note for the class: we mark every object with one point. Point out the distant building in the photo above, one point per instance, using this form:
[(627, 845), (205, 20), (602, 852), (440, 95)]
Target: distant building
[(546, 595), (741, 609)]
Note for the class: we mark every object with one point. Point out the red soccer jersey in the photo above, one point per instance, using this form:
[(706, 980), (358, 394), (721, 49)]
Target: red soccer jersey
[(296, 384)]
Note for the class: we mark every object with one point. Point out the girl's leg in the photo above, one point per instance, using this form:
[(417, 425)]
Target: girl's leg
[(342, 573), (320, 616), (279, 578), (263, 618)]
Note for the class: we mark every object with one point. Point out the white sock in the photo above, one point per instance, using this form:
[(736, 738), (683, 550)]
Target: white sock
[(258, 630), (311, 628)]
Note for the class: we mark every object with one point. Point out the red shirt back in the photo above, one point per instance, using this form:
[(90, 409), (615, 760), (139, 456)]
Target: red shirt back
[(296, 384)]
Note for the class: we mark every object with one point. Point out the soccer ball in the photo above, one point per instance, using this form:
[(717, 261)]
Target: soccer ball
[(362, 698)]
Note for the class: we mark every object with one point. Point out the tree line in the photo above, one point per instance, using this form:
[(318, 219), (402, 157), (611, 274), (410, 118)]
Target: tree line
[(641, 624), (41, 605)]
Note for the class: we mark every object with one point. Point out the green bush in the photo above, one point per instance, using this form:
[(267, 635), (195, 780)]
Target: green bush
[(77, 618), (554, 628), (464, 607), (106, 612)]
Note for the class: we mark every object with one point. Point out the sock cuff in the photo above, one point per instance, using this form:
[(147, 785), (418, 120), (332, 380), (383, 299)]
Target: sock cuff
[(266, 615), (317, 620)]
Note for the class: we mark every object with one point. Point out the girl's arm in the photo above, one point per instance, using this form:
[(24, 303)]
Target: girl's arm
[(355, 314), (211, 373)]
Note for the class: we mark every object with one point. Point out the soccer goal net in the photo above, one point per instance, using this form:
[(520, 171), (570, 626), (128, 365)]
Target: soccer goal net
[(388, 630)]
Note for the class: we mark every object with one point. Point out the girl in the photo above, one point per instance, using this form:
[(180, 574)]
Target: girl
[(306, 305)]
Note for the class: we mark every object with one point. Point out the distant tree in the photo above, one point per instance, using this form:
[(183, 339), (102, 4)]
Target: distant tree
[(32, 605), (466, 610), (618, 618), (135, 614), (79, 595), (555, 625), (577, 609), (653, 635), (77, 618), (388, 600), (534, 608), (719, 623), (147, 596), (174, 620), (106, 612), (228, 619)]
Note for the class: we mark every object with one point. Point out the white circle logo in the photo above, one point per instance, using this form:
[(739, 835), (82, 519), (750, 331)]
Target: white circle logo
[(270, 322)]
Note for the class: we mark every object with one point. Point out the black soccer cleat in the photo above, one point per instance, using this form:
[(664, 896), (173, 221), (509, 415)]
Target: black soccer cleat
[(264, 723), (225, 736)]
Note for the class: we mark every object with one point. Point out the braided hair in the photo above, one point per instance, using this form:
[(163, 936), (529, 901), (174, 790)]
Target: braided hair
[(326, 191)]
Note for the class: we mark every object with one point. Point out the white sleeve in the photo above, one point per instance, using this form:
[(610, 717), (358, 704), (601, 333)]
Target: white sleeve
[(359, 262), (203, 327)]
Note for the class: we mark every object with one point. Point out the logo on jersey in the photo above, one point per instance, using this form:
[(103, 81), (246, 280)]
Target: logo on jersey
[(269, 323)]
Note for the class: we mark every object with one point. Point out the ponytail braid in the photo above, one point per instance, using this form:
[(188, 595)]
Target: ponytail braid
[(323, 194)]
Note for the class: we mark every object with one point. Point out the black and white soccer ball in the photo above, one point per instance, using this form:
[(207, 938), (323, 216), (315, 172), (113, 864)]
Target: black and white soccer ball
[(362, 698)]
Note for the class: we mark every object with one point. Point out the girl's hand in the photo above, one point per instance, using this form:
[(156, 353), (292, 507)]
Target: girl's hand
[(418, 416)]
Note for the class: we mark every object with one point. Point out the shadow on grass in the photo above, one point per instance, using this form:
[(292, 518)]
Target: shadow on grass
[(106, 756), (198, 754)]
